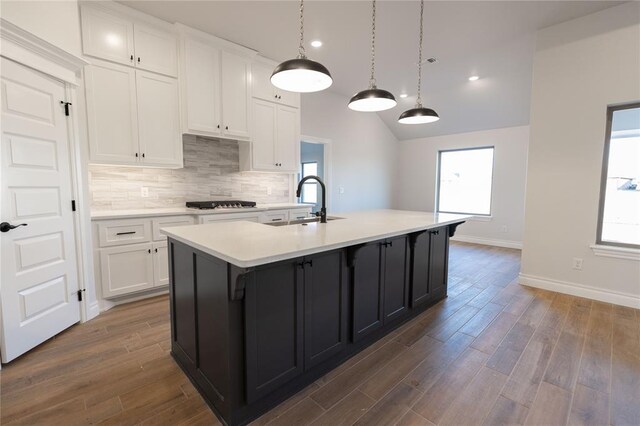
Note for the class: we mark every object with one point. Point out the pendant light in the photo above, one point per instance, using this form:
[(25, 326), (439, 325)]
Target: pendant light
[(301, 74), (372, 99), (419, 114)]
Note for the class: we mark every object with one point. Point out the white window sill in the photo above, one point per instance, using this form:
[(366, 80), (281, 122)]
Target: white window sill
[(617, 252)]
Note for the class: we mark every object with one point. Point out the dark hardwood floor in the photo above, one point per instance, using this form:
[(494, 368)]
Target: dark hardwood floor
[(493, 352)]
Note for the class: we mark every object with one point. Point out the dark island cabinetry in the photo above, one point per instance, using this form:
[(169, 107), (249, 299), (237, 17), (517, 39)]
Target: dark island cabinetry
[(248, 338)]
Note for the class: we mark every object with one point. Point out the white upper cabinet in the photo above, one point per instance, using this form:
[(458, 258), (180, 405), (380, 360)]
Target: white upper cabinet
[(263, 89), (236, 95), (111, 113), (200, 88), (158, 119), (275, 141), (108, 34), (133, 117), (216, 88), (156, 50)]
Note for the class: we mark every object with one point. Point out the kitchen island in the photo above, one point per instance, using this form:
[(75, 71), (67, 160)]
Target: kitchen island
[(258, 312)]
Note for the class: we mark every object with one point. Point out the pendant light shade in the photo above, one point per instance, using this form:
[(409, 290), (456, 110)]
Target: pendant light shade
[(301, 74), (419, 114), (372, 99)]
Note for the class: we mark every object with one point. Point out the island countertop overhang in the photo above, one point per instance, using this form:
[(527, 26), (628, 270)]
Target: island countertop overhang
[(250, 244)]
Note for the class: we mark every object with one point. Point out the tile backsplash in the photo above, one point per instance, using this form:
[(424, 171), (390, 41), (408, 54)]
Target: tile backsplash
[(211, 171)]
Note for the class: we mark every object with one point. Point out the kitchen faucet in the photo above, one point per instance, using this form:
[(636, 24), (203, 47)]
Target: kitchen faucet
[(323, 209)]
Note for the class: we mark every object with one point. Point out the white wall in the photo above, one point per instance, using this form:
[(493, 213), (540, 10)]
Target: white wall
[(416, 183), (58, 22), (364, 151), (580, 67)]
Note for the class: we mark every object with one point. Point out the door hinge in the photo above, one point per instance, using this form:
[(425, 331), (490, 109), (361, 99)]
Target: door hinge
[(80, 295), (66, 107), (73, 205)]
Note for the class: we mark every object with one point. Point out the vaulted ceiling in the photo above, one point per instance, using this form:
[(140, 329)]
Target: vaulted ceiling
[(492, 39)]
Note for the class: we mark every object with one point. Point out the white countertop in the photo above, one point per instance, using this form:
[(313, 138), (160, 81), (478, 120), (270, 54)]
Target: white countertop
[(247, 244), (126, 214)]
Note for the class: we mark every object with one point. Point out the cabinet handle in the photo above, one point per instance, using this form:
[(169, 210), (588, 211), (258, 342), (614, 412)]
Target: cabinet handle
[(156, 250), (136, 155), (276, 220), (143, 155), (279, 96), (138, 59), (126, 233), (226, 127), (131, 58), (149, 251), (218, 126), (275, 96)]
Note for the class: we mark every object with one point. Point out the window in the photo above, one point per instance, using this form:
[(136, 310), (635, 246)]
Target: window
[(619, 213), (310, 188), (464, 181)]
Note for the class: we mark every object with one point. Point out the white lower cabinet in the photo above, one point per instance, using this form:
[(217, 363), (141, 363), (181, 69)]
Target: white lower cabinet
[(160, 264), (126, 269)]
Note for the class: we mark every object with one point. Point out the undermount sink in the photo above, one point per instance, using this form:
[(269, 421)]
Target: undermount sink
[(303, 222)]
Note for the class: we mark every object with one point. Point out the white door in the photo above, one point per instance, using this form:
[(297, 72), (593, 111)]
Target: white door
[(264, 135), (156, 50), (112, 114), (201, 82), (107, 36), (158, 120), (288, 138), (126, 269), (39, 272), (236, 92), (160, 264)]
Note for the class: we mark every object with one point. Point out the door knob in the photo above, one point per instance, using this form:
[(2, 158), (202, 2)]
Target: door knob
[(6, 226)]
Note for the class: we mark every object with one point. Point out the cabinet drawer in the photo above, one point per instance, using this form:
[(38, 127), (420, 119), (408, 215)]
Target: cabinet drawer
[(166, 222), (299, 214), (229, 217), (119, 232), (274, 216)]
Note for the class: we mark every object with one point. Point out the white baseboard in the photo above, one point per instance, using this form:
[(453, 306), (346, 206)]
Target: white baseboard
[(106, 304), (488, 241), (574, 289)]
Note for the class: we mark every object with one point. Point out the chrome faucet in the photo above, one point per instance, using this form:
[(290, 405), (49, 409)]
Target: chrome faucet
[(323, 209)]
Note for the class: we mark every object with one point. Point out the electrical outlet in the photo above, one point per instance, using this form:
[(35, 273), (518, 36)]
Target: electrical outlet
[(268, 190), (577, 263), (341, 189), (144, 192), (504, 229)]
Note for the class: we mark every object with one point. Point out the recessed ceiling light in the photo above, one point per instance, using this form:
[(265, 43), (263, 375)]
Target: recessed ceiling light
[(403, 95), (473, 78), (316, 43)]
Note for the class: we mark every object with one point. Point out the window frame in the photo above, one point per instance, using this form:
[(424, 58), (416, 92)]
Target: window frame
[(438, 170), (605, 174), (314, 183)]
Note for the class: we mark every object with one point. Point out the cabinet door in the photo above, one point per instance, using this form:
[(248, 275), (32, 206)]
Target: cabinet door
[(288, 142), (367, 291), (288, 98), (325, 306), (126, 269), (236, 72), (396, 294), (107, 36), (261, 86), (420, 254), (160, 264), (438, 261), (158, 117), (111, 113), (156, 50), (263, 141), (201, 83), (273, 327)]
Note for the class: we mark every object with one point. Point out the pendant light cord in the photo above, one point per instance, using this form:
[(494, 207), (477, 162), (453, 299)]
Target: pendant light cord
[(419, 99), (301, 51), (372, 79)]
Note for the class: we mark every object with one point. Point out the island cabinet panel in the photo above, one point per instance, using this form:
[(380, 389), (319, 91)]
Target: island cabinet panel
[(273, 326), (183, 303), (325, 306), (396, 278), (439, 255), (368, 289), (429, 254)]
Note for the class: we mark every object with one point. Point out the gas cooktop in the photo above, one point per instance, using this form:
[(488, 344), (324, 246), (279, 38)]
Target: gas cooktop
[(221, 204)]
